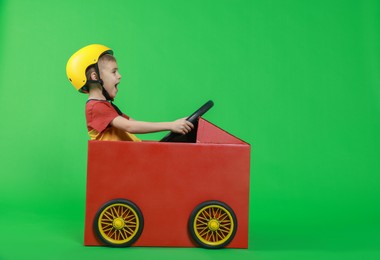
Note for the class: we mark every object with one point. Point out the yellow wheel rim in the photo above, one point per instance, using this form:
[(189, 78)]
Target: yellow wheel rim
[(118, 223), (213, 225)]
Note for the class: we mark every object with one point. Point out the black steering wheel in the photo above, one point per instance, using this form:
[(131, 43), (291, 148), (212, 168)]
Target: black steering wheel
[(193, 118)]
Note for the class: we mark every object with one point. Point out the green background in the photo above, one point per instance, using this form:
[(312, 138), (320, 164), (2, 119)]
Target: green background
[(298, 80)]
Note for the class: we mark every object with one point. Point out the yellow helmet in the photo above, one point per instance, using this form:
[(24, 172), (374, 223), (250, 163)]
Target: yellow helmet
[(80, 61)]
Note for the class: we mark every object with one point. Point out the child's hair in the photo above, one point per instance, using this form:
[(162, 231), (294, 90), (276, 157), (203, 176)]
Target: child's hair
[(103, 58), (106, 58)]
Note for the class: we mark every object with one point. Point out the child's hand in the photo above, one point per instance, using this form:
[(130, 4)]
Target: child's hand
[(181, 126)]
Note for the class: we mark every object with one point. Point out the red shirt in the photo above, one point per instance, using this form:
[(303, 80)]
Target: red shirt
[(99, 115)]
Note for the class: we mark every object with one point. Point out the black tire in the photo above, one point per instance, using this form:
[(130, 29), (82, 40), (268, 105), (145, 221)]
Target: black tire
[(118, 223), (212, 224)]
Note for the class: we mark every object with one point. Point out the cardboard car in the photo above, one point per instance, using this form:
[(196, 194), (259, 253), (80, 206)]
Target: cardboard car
[(169, 194)]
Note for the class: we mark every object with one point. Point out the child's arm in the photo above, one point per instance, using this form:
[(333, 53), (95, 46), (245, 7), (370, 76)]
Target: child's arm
[(180, 126)]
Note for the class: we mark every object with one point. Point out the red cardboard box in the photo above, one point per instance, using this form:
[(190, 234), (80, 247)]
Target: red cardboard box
[(166, 183)]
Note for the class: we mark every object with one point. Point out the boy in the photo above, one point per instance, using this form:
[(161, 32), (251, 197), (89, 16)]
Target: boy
[(93, 70)]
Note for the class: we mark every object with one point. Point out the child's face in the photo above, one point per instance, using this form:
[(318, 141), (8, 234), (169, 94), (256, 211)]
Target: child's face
[(109, 73)]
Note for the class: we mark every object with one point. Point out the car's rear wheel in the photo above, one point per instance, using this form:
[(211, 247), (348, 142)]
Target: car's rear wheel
[(118, 223)]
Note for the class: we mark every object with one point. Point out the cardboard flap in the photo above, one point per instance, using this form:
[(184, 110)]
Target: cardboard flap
[(210, 133)]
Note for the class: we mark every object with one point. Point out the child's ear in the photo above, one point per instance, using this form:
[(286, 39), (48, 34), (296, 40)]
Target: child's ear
[(94, 76)]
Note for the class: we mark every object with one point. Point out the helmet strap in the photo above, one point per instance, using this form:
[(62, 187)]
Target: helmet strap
[(100, 81), (104, 91)]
